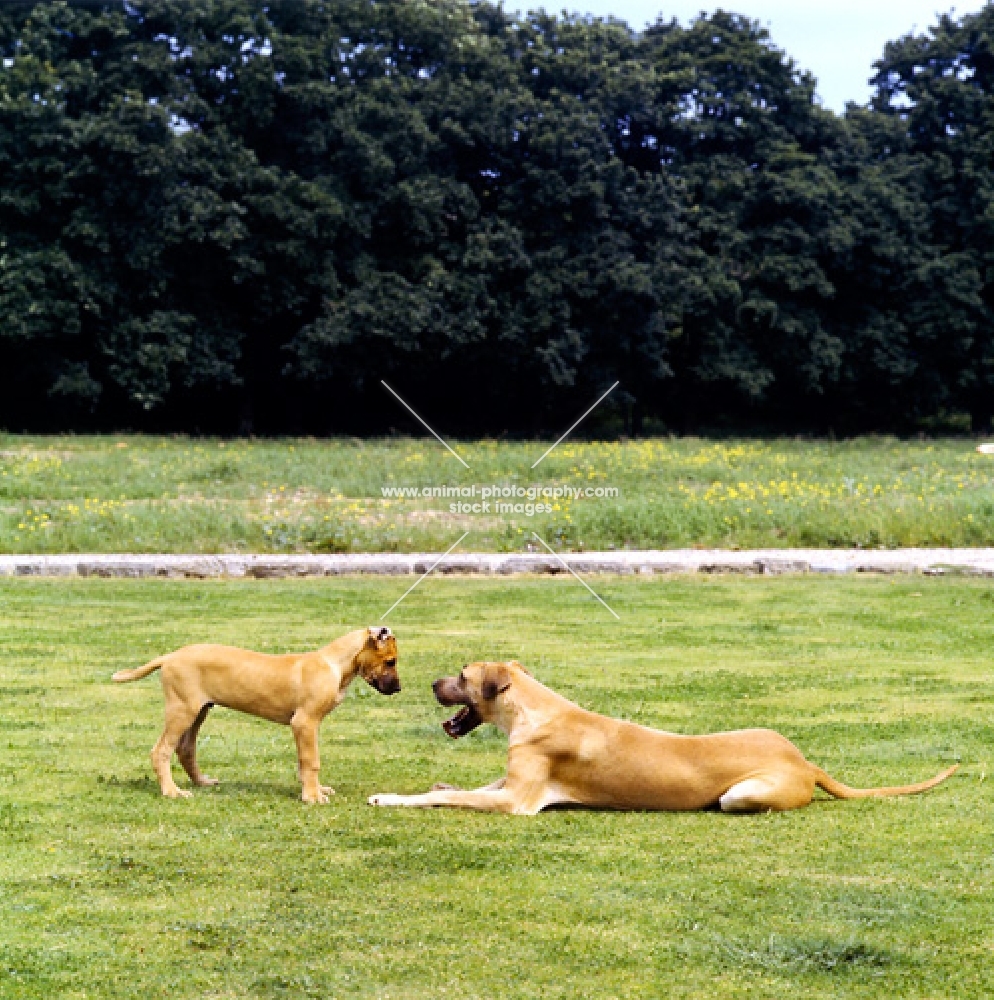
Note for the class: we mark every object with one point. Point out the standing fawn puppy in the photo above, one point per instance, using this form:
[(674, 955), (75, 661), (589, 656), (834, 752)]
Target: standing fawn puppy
[(295, 689)]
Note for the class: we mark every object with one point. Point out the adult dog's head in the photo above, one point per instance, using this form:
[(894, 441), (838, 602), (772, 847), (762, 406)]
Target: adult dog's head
[(479, 689), (377, 660)]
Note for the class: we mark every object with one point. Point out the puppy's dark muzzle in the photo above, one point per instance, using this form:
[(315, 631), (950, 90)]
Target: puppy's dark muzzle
[(388, 685)]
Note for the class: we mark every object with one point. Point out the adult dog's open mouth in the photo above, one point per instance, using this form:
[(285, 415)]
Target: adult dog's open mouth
[(463, 722)]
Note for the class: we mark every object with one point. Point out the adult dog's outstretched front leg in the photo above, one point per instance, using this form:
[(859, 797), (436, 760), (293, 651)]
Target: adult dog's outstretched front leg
[(522, 798), (443, 786), (483, 799)]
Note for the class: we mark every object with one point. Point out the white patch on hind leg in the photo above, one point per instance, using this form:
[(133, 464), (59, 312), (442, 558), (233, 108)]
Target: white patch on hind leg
[(751, 795)]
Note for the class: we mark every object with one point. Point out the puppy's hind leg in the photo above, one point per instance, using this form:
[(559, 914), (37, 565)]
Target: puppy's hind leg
[(179, 718), (767, 793), (186, 750)]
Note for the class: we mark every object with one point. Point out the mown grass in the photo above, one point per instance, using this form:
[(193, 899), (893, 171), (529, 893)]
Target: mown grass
[(147, 494), (108, 890)]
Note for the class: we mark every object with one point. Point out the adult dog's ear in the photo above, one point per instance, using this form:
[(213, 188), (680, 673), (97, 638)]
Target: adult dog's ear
[(496, 680), (521, 667)]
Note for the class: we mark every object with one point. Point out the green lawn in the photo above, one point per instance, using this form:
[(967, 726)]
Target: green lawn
[(147, 494), (108, 890)]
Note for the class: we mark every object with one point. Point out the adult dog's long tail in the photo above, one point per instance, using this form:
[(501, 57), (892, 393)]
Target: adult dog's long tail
[(139, 672), (840, 791)]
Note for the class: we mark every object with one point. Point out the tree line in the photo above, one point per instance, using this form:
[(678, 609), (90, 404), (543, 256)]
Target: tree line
[(242, 216)]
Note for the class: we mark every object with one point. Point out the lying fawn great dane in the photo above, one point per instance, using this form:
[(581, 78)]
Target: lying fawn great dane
[(296, 689), (561, 754)]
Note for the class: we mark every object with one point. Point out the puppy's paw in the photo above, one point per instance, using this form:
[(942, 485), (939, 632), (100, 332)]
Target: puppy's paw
[(386, 799), (327, 789), (205, 782), (317, 798), (178, 793)]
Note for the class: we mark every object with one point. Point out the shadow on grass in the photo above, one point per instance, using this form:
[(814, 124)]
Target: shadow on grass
[(226, 789), (806, 954)]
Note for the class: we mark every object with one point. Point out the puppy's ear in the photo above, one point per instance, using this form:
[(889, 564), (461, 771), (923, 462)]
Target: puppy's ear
[(496, 680), (515, 663), (378, 635)]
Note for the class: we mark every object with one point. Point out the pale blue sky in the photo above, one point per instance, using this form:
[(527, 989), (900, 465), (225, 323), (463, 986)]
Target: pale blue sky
[(837, 40)]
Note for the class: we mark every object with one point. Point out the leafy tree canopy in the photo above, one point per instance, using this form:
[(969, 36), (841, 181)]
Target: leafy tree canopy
[(236, 215)]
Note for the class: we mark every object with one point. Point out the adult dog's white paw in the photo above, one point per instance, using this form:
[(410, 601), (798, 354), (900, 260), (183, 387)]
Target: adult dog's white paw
[(386, 799)]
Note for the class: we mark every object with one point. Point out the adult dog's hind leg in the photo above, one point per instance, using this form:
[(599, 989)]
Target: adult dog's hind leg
[(767, 793), (186, 750)]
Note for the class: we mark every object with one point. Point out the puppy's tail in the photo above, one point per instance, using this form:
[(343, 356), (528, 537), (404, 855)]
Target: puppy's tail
[(139, 672), (840, 791)]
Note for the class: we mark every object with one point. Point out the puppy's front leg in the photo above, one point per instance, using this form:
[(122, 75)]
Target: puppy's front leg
[(305, 732), (327, 789)]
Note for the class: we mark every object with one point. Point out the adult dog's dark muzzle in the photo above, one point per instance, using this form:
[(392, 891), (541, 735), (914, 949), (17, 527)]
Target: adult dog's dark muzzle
[(448, 691)]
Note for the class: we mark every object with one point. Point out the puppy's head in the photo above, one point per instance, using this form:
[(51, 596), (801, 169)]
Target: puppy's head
[(377, 660), (478, 689)]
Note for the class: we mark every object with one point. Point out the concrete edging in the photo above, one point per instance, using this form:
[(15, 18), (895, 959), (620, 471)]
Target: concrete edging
[(935, 562)]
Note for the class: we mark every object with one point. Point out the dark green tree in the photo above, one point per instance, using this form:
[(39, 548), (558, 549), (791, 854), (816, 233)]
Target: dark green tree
[(239, 215), (940, 86)]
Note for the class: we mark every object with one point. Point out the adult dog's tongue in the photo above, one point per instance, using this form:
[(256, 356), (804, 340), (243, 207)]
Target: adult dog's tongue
[(463, 722)]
